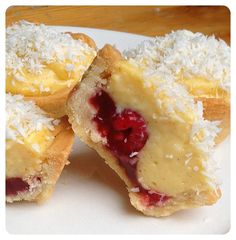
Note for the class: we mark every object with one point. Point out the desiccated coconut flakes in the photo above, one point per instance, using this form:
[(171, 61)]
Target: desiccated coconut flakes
[(31, 46), (194, 54), (24, 117)]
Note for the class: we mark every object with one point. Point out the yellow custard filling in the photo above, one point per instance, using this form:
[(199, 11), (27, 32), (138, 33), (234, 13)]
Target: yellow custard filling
[(52, 78), (199, 86), (170, 162), (24, 157), (202, 87)]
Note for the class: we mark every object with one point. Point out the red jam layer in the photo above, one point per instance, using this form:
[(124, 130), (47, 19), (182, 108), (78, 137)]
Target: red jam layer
[(126, 134), (16, 185)]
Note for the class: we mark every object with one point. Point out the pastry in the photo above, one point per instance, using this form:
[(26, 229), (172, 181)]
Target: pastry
[(150, 131), (37, 149), (44, 64), (198, 62)]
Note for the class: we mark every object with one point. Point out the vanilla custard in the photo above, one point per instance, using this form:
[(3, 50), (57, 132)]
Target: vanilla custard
[(171, 151)]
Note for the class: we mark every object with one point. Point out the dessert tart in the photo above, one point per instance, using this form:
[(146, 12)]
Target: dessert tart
[(44, 64), (37, 149), (150, 131), (198, 62)]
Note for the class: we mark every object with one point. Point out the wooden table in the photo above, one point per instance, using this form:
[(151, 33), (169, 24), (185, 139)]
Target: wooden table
[(146, 20)]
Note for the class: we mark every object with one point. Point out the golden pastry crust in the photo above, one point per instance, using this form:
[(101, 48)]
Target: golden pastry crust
[(106, 59), (85, 38), (217, 109), (55, 158), (175, 206), (54, 104)]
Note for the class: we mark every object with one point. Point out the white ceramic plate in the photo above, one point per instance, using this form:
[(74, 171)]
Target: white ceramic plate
[(90, 198)]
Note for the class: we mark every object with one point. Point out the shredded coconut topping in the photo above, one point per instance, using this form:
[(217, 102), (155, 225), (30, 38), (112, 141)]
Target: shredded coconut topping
[(135, 189), (36, 147), (30, 46), (23, 118), (183, 51)]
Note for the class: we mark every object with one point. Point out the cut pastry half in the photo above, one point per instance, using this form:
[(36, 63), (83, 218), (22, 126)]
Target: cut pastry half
[(44, 64), (200, 63), (37, 149), (150, 131)]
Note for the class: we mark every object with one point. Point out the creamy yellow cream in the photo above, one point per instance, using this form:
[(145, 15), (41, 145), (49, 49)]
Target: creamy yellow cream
[(23, 159), (54, 77), (202, 87), (169, 162)]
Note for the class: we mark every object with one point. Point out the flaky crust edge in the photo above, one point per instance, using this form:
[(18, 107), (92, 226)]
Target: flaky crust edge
[(56, 157)]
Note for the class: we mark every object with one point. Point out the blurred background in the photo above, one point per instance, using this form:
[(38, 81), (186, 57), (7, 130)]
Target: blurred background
[(145, 20)]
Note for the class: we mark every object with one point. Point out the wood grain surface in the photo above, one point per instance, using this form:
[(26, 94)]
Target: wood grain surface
[(146, 20)]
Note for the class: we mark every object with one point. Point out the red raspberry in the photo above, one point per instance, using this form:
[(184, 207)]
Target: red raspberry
[(129, 133), (15, 185), (150, 198), (126, 132)]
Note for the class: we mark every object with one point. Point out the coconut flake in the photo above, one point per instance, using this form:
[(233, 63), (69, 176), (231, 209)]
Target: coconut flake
[(135, 190), (36, 147)]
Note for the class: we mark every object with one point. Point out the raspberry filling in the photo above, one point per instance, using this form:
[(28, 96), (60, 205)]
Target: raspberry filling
[(126, 134), (15, 185)]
